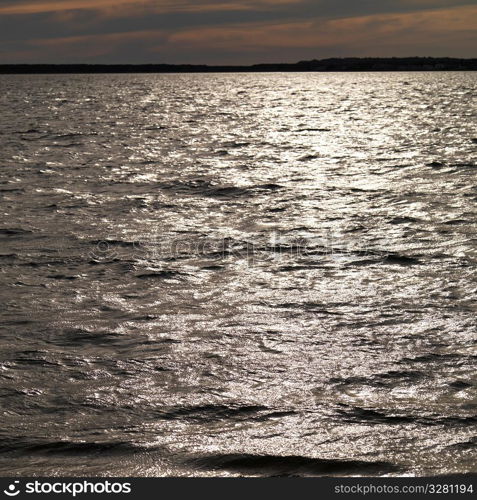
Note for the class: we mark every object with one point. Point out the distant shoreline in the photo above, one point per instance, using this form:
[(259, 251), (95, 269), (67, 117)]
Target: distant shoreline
[(324, 65)]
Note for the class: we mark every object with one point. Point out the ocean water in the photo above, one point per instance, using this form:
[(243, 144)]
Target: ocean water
[(238, 274)]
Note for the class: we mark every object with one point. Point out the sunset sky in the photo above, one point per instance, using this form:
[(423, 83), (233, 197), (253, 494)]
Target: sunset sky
[(235, 32)]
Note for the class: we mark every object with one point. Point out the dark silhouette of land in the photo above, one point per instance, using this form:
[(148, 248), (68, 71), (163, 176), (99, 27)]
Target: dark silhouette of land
[(335, 64)]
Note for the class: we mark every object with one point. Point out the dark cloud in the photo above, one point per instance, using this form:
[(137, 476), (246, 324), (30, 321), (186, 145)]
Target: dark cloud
[(217, 31)]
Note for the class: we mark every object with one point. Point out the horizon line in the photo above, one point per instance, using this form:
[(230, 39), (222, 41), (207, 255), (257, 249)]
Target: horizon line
[(338, 64)]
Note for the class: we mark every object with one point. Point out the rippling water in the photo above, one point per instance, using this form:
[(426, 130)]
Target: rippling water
[(238, 274)]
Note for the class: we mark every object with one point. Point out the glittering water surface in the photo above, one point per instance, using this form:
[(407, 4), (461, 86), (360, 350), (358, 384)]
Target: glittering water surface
[(238, 274)]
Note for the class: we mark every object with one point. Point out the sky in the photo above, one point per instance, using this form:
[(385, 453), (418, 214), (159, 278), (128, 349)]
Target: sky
[(232, 32)]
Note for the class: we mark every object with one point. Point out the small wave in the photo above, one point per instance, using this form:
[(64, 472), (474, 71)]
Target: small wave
[(30, 131), (12, 190), (81, 336), (67, 135), (233, 191), (35, 361), (459, 420), (145, 317), (68, 145), (403, 220), (269, 187), (364, 262), (120, 243), (9, 256), (226, 192), (213, 268), (390, 378), (127, 265), (208, 189), (306, 306), (272, 465), (236, 145), (434, 358), (314, 130), (463, 165), (14, 231), (401, 375), (460, 385), (23, 444), (157, 127), (212, 412), (471, 444), (17, 322), (355, 414), (309, 157), (46, 263), (63, 277), (402, 260), (295, 268), (166, 274), (456, 222)]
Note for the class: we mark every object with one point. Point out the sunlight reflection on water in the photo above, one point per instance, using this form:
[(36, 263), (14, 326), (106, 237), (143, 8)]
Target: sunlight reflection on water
[(205, 266)]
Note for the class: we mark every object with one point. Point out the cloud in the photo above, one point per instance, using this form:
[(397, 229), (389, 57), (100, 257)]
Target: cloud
[(295, 7), (369, 30), (239, 31), (34, 7)]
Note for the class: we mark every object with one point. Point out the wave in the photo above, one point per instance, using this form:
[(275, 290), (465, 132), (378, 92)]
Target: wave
[(354, 414), (165, 274), (82, 336), (236, 145), (309, 157), (14, 231), (120, 243), (390, 259), (68, 447), (471, 444), (277, 465), (208, 189), (213, 413), (314, 129), (12, 190), (389, 378), (367, 416)]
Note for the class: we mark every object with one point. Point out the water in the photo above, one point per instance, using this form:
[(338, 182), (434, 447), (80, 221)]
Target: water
[(238, 274)]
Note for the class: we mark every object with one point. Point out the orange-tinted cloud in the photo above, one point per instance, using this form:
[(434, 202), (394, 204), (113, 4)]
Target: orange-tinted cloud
[(317, 33), (220, 31), (33, 7)]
